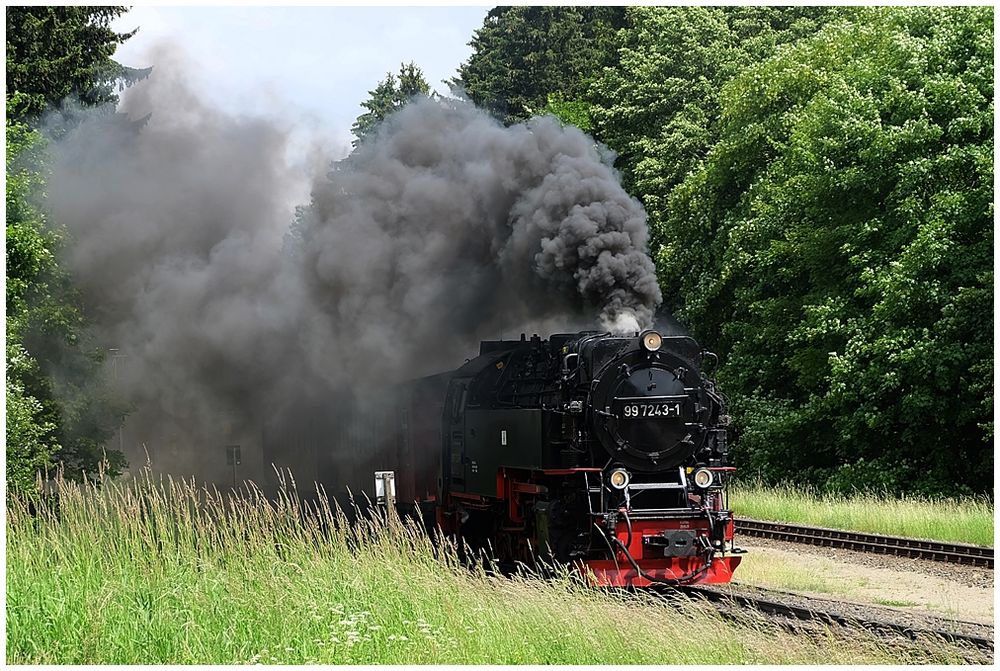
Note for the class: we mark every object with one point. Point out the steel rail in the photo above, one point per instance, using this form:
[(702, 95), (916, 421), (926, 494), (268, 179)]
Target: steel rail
[(829, 613), (954, 553)]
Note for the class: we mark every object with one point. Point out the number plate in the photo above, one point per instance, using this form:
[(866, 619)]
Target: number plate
[(651, 410)]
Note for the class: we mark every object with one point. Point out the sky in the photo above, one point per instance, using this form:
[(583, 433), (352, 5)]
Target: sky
[(313, 66)]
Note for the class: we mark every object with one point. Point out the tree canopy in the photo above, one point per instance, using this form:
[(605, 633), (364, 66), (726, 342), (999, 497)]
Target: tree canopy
[(523, 55), (836, 246), (54, 53), (390, 95), (31, 431), (659, 108), (58, 411)]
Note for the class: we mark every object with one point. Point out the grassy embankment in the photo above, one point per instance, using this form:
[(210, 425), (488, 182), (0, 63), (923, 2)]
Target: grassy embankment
[(167, 574), (968, 520)]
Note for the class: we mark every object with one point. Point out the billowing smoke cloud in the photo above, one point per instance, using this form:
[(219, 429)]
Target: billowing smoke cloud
[(443, 228), (447, 222)]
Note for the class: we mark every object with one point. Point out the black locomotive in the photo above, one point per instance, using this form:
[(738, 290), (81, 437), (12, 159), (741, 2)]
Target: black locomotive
[(605, 451)]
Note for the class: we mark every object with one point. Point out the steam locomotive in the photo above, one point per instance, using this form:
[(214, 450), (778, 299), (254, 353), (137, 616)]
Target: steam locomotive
[(608, 452), (604, 451)]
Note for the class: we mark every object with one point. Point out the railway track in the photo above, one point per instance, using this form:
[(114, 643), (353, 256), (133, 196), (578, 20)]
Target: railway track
[(975, 638), (954, 553)]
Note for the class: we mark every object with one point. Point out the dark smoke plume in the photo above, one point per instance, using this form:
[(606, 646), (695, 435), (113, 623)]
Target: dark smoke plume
[(442, 228), (447, 222)]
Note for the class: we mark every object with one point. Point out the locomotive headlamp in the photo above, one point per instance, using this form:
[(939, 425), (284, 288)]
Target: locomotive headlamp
[(651, 341), (619, 478), (704, 478)]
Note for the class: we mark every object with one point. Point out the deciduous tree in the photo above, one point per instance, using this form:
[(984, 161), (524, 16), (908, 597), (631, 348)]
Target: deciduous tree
[(836, 246), (658, 108)]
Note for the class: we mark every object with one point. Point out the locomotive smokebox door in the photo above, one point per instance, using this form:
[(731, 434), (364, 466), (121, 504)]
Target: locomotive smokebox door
[(385, 488)]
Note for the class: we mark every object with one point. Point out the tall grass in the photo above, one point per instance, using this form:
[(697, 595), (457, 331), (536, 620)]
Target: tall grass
[(967, 520), (162, 572)]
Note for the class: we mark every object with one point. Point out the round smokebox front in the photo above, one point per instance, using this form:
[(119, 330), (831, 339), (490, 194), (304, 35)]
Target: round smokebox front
[(647, 414)]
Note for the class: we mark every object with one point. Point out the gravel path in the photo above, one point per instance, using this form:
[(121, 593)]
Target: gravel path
[(911, 586)]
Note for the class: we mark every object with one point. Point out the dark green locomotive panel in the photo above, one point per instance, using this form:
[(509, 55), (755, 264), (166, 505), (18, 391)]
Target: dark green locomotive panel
[(500, 437)]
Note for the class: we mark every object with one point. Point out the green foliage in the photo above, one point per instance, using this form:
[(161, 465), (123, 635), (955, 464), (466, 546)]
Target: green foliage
[(57, 52), (659, 107), (836, 247), (572, 112), (391, 94), (30, 438), (28, 243), (58, 410), (522, 55)]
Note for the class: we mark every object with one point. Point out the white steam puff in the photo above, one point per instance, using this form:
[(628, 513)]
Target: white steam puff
[(443, 228), (623, 323)]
